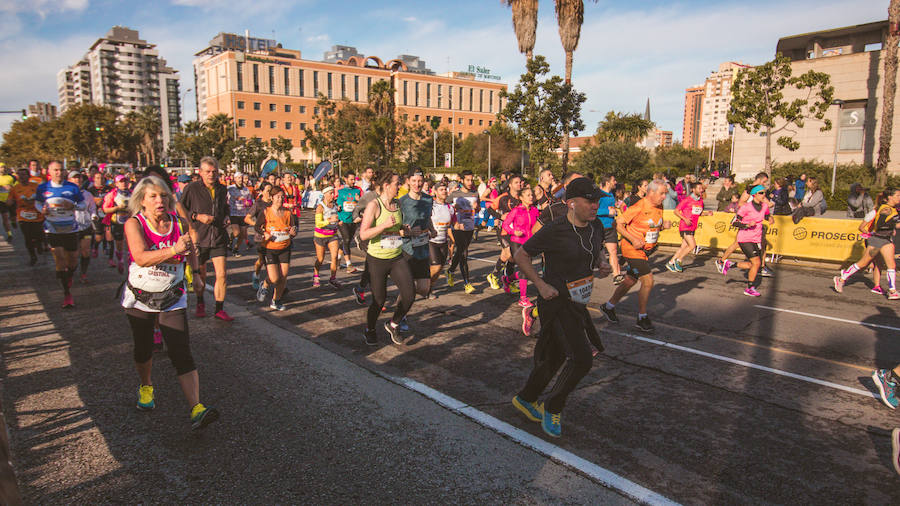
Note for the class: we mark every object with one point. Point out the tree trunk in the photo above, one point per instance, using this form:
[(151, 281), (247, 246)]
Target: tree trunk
[(889, 53), (768, 167), (529, 54), (565, 145)]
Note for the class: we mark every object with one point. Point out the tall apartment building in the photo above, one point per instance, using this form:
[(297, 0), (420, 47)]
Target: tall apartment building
[(716, 102), (43, 110), (693, 110), (273, 92), (123, 71)]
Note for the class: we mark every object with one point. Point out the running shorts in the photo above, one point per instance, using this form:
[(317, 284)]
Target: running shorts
[(323, 241), (98, 226), (68, 242), (278, 256), (238, 220), (88, 232), (876, 242), (420, 267), (637, 267), (4, 208), (683, 233), (438, 253), (117, 230), (750, 249), (204, 254)]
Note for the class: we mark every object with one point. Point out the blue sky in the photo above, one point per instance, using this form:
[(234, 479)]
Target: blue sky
[(628, 51)]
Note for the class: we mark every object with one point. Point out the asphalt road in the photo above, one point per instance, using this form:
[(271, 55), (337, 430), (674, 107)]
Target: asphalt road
[(733, 400)]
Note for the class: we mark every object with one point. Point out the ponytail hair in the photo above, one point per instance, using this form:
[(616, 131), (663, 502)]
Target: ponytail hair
[(883, 196)]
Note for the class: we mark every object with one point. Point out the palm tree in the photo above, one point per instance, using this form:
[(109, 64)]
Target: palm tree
[(525, 24), (570, 16), (889, 51)]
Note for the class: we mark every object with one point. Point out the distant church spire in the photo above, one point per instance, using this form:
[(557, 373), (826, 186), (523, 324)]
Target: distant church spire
[(647, 111)]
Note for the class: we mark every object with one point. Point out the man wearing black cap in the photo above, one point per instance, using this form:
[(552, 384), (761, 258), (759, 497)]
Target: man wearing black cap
[(572, 246)]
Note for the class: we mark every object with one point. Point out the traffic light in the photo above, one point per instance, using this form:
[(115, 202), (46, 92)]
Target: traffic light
[(98, 128), (24, 114)]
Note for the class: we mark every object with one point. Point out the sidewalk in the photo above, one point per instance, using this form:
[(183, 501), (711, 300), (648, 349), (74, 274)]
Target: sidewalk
[(299, 423)]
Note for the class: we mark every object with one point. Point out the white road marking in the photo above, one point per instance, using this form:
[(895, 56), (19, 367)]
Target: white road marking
[(604, 476), (832, 318), (751, 365)]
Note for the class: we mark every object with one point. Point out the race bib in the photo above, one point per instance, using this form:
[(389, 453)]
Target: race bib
[(580, 289), (390, 241), (349, 206), (158, 278), (280, 236), (651, 237), (28, 215), (697, 210), (58, 211), (420, 240)]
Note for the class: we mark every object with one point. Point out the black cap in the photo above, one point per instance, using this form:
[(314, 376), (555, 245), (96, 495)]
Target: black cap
[(582, 187)]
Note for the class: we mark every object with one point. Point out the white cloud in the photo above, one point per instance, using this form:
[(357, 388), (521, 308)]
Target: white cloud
[(317, 38), (410, 19), (42, 7)]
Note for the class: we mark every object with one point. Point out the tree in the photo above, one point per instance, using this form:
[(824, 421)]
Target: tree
[(190, 143), (280, 148), (622, 127), (889, 53), (218, 131), (758, 103), (524, 18), (679, 157), (624, 160), (570, 16), (542, 109)]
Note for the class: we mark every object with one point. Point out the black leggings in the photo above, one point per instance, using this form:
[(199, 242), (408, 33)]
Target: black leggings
[(398, 270), (462, 239), (347, 231), (33, 232), (174, 327), (563, 343)]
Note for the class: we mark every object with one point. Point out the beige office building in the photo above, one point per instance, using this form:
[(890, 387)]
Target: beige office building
[(716, 102), (44, 111), (852, 57)]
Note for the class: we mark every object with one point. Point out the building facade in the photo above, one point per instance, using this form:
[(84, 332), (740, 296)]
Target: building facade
[(124, 72), (693, 113), (273, 92), (852, 57), (45, 111), (716, 103)]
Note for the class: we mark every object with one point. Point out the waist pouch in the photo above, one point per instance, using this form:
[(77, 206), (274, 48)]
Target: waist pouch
[(159, 301)]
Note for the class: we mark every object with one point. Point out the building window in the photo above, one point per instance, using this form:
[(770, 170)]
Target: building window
[(459, 105), (449, 97), (287, 81), (490, 123), (300, 82), (416, 117), (404, 92), (368, 87), (240, 76), (302, 109), (287, 108), (439, 97), (302, 126), (480, 122), (470, 121), (302, 143), (271, 78), (256, 106), (242, 122), (330, 93), (315, 83), (240, 104), (316, 111), (851, 126), (257, 123), (460, 121), (417, 95), (287, 125), (255, 78), (449, 119), (356, 88), (471, 94), (428, 95), (273, 107), (343, 86), (273, 124), (480, 100)]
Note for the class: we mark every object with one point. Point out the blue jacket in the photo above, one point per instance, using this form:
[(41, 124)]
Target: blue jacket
[(606, 201)]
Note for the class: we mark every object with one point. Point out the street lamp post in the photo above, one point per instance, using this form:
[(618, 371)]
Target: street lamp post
[(489, 152), (434, 149), (837, 133), (452, 129)]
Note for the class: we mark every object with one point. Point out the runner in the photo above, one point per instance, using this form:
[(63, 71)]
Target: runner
[(293, 195), (749, 221), (688, 213), (240, 199), (381, 225), (518, 225), (325, 236), (503, 269), (546, 181), (347, 200), (638, 191), (58, 199), (881, 229), (639, 226), (280, 227), (204, 205), (368, 178), (155, 294), (84, 220), (443, 218), (30, 220), (115, 206), (263, 199), (98, 189), (607, 214), (761, 179), (572, 246), (359, 291), (416, 209), (6, 184), (465, 202)]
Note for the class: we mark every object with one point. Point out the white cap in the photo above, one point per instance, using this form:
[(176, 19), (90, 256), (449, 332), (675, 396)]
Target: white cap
[(328, 189)]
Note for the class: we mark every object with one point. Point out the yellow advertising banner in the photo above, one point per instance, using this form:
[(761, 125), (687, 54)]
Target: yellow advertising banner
[(812, 238)]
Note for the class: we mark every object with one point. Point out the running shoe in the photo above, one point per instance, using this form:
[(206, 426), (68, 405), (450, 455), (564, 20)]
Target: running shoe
[(255, 281), (111, 263), (532, 410), (334, 283), (766, 272), (262, 292), (360, 295), (752, 292), (725, 266), (720, 265), (225, 317), (885, 388), (432, 296), (893, 295), (316, 283), (201, 310), (644, 324), (145, 400), (469, 288), (877, 289), (201, 416), (83, 278), (839, 284), (371, 338), (237, 253), (514, 288), (679, 265), (492, 280), (121, 267), (672, 266), (352, 270), (450, 281), (552, 424), (610, 313), (68, 301), (895, 449), (527, 321), (394, 333), (618, 278), (404, 325), (524, 302), (277, 306), (506, 285), (157, 341)]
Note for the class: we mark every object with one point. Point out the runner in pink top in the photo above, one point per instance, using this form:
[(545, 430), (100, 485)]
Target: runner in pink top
[(688, 213), (518, 224), (749, 220)]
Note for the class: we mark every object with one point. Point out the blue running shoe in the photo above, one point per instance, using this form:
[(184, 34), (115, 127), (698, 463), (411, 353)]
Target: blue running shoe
[(885, 388), (404, 326), (255, 281), (534, 412), (552, 424)]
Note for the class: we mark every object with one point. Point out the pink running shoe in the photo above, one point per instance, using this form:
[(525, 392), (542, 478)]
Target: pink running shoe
[(752, 292), (201, 310), (68, 301), (222, 315), (527, 320), (877, 289), (505, 281), (525, 303), (316, 282)]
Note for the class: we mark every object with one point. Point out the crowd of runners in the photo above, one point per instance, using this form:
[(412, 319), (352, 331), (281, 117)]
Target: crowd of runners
[(555, 238)]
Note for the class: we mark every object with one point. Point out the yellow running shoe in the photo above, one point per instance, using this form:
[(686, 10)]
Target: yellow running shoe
[(145, 398), (532, 410), (189, 277), (469, 288), (201, 416), (450, 281), (494, 282)]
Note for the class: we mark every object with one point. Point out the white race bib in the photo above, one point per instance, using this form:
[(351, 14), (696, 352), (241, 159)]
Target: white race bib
[(28, 215), (580, 289), (349, 206), (390, 241), (697, 210), (280, 236), (157, 278), (651, 236)]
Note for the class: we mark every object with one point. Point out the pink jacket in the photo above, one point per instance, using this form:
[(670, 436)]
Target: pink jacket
[(522, 219)]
